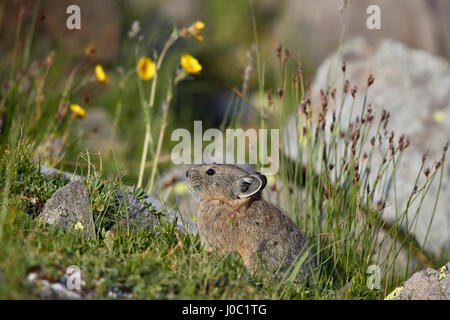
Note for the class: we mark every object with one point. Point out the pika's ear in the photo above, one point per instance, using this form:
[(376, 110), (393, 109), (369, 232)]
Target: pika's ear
[(251, 184)]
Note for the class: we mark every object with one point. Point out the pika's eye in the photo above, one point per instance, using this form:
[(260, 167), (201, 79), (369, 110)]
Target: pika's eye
[(210, 172)]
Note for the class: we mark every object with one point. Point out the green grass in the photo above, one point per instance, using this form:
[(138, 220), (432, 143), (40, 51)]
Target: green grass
[(159, 263)]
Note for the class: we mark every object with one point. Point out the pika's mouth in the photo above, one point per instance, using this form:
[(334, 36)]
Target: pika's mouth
[(193, 182)]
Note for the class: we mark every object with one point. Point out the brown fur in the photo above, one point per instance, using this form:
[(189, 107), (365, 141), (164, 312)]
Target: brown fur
[(263, 235)]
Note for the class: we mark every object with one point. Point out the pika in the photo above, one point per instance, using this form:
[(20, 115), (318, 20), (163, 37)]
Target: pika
[(233, 217)]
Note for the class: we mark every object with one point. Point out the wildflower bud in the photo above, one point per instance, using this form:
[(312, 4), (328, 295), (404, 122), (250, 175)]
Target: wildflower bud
[(383, 115), (50, 58), (401, 142), (424, 158), (406, 144), (90, 50), (438, 165), (415, 190), (356, 179), (386, 121), (354, 89), (324, 153), (278, 50), (346, 86), (41, 19), (372, 141), (286, 55), (427, 172), (305, 103), (343, 66), (323, 99), (295, 81), (365, 156), (5, 84), (280, 92), (333, 94), (308, 85), (370, 80), (270, 97)]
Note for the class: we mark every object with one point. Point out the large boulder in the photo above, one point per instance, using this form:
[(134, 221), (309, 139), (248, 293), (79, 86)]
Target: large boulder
[(414, 87)]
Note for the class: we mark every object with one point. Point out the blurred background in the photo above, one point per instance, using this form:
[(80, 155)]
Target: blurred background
[(311, 30)]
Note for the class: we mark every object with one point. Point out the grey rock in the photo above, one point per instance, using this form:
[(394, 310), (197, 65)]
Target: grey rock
[(52, 290), (412, 86), (142, 213), (69, 208), (428, 284), (137, 213), (51, 172)]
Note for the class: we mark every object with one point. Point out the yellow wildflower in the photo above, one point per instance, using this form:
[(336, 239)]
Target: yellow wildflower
[(394, 294), (77, 110), (194, 30), (79, 226), (198, 25), (190, 64), (146, 68), (90, 50), (442, 273), (100, 74), (439, 116)]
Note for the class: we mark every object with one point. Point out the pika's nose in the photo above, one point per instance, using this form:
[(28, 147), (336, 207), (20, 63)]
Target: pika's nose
[(191, 172)]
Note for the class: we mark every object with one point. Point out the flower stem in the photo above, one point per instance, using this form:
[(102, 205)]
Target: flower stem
[(144, 154), (160, 140), (151, 103)]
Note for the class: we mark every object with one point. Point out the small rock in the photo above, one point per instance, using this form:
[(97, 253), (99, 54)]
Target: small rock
[(49, 290), (142, 213), (69, 208), (428, 284)]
